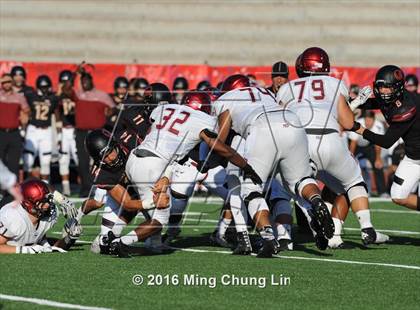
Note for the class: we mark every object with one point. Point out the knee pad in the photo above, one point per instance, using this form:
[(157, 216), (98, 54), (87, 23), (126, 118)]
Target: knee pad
[(302, 183), (397, 189), (255, 205), (252, 196), (357, 191)]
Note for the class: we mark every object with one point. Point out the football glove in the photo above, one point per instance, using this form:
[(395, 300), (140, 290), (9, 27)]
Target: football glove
[(72, 229), (249, 172), (361, 98), (66, 206)]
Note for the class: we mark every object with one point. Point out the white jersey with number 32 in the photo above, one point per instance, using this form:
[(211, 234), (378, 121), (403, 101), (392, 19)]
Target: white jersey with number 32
[(244, 106), (314, 99), (176, 130)]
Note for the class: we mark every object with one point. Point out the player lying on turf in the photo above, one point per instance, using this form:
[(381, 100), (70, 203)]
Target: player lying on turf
[(23, 226), (175, 131)]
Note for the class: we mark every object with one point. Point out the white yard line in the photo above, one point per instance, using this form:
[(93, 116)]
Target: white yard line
[(394, 211), (312, 258), (401, 232), (46, 302)]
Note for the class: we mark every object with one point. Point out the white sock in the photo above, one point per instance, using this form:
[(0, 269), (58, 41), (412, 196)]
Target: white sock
[(66, 186), (283, 231), (223, 226), (79, 215), (129, 238), (363, 217), (338, 226)]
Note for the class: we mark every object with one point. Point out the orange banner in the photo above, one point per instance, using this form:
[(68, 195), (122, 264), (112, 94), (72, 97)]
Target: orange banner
[(104, 74)]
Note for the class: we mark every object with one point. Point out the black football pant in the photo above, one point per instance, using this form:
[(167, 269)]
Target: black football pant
[(368, 152), (84, 163), (11, 149)]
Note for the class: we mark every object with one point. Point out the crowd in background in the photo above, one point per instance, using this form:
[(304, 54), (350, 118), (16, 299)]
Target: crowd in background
[(42, 131)]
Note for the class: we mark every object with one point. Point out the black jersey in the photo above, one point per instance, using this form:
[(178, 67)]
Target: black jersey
[(67, 106), (133, 125), (214, 159), (42, 108), (403, 118), (108, 178), (27, 91)]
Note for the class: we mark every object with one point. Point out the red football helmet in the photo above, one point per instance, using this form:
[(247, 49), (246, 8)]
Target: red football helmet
[(196, 100), (313, 60), (235, 81), (35, 193)]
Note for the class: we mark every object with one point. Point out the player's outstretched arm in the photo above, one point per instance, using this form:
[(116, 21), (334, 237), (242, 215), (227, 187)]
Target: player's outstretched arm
[(230, 154)]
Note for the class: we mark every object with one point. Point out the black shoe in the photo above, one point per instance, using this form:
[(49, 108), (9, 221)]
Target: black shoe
[(269, 248), (244, 244), (368, 236), (322, 217), (120, 249), (284, 244), (320, 241)]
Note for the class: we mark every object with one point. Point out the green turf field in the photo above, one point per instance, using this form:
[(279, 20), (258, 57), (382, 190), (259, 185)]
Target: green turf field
[(318, 280)]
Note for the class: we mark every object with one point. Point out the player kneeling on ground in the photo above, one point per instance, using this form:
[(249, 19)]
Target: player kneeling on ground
[(23, 226)]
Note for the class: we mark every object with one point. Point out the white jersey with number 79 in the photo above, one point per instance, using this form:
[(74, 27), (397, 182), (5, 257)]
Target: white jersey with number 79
[(244, 106), (314, 99), (176, 130)]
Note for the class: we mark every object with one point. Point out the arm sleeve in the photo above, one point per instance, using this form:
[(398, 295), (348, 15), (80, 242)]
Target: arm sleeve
[(394, 132)]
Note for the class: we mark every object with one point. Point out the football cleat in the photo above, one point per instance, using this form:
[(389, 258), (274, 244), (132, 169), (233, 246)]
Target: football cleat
[(320, 241), (371, 236), (219, 240), (244, 244), (336, 242), (171, 234), (323, 218), (285, 245), (269, 248)]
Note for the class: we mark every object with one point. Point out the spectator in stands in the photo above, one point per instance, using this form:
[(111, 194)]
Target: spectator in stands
[(18, 74), (354, 91), (411, 83), (203, 85), (180, 86), (362, 148), (279, 76), (14, 113), (136, 90), (92, 108)]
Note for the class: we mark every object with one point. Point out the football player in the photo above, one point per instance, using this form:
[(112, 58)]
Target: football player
[(175, 131), (320, 101), (401, 110), (190, 170), (18, 74), (273, 139), (66, 135), (115, 191), (23, 227), (39, 135), (179, 87)]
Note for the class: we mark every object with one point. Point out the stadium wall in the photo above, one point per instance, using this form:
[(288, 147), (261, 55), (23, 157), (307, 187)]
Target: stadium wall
[(104, 74)]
